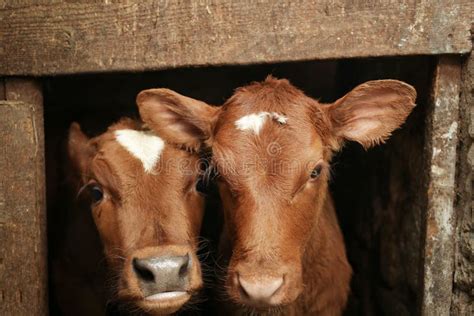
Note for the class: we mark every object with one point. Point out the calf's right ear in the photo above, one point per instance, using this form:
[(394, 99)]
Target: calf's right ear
[(77, 148), (178, 119), (372, 111)]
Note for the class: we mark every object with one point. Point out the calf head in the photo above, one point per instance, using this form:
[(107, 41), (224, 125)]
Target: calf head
[(146, 208), (272, 146)]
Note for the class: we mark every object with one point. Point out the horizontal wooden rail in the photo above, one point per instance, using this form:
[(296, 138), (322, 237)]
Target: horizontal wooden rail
[(52, 37)]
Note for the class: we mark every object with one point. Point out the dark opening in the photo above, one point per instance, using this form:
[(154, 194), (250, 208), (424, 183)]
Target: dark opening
[(379, 193)]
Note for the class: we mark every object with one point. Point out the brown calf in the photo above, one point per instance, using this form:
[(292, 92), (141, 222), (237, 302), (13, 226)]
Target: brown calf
[(272, 146), (146, 208)]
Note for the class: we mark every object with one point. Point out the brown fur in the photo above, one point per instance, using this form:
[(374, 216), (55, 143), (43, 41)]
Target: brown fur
[(280, 223), (141, 214)]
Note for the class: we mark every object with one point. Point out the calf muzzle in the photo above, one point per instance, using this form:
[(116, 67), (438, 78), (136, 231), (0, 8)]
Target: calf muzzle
[(163, 276)]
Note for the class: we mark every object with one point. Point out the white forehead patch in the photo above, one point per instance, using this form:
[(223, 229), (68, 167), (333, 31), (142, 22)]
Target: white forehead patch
[(144, 146), (255, 121)]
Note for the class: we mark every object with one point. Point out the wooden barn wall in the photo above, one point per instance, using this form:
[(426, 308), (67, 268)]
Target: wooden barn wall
[(50, 37)]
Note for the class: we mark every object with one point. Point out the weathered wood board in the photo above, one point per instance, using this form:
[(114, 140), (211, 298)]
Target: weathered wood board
[(23, 265), (443, 130), (61, 37)]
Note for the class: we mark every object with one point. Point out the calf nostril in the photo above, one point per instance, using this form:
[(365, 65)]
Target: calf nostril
[(185, 266), (162, 273), (142, 270)]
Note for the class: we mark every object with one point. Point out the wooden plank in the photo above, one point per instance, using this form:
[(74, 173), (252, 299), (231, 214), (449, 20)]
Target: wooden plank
[(23, 264), (61, 37), (442, 142)]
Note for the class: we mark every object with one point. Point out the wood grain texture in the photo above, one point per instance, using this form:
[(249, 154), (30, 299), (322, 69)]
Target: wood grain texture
[(23, 269), (60, 37), (443, 130)]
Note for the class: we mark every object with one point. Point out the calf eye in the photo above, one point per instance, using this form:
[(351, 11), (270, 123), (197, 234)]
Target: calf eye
[(201, 185), (96, 193), (316, 172)]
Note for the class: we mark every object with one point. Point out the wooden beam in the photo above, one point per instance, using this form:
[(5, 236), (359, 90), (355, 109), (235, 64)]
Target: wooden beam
[(23, 263), (442, 142), (61, 37)]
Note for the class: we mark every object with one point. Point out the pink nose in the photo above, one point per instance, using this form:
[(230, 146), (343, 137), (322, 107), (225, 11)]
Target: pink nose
[(260, 290)]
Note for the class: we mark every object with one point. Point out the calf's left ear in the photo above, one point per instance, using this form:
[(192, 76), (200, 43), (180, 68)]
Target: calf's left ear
[(371, 112), (78, 151)]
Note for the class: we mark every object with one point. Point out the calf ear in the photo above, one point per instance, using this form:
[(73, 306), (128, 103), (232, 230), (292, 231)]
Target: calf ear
[(178, 119), (372, 111), (77, 150)]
